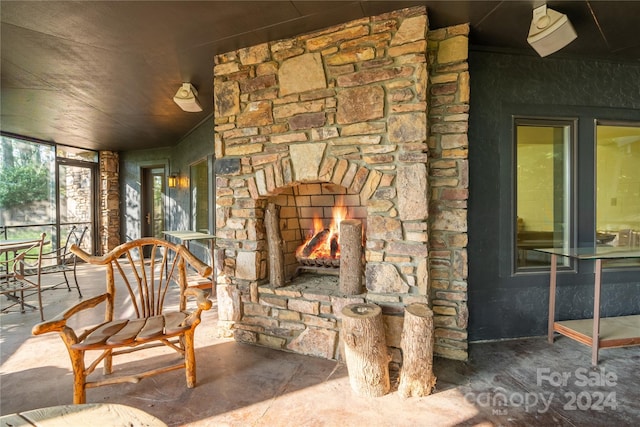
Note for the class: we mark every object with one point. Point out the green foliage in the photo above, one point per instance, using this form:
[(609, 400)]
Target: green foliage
[(23, 184)]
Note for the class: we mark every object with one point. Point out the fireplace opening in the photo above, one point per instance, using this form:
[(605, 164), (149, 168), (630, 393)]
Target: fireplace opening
[(321, 249), (310, 216)]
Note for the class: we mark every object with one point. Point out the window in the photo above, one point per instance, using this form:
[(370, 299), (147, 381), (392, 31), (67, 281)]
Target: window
[(27, 187), (73, 153), (618, 187), (199, 180), (543, 189)]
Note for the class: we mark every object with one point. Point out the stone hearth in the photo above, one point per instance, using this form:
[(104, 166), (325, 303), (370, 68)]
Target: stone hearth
[(344, 112)]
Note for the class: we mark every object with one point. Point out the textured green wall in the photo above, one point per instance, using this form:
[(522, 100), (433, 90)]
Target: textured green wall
[(197, 145)]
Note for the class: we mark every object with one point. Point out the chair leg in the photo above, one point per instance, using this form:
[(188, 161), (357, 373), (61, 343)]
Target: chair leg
[(107, 363), (75, 279), (79, 378), (190, 359), (40, 305), (66, 280)]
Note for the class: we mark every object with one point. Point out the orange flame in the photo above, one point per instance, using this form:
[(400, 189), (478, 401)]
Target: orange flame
[(326, 239)]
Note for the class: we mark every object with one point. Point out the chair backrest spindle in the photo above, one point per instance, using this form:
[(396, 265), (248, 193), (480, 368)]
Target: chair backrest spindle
[(148, 279)]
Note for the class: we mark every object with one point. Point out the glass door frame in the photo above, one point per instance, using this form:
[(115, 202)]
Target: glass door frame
[(147, 172), (95, 199)]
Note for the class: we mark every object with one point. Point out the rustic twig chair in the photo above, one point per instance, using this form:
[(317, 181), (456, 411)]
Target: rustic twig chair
[(147, 271)]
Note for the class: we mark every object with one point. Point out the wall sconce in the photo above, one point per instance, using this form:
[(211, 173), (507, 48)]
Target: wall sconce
[(186, 98), (173, 180)]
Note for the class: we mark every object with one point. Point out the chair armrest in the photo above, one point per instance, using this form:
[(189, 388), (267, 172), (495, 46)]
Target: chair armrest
[(54, 254), (203, 269), (59, 322), (88, 258), (200, 295), (18, 265)]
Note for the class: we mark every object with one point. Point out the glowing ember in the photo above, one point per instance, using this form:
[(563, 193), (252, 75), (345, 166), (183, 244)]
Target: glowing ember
[(322, 242)]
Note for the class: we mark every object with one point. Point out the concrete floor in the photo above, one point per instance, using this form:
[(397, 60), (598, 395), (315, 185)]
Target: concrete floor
[(516, 382)]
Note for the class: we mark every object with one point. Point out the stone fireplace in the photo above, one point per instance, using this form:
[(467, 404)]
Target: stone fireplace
[(342, 114)]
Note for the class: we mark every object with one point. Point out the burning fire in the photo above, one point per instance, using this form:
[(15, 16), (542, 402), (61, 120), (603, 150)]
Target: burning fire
[(322, 242)]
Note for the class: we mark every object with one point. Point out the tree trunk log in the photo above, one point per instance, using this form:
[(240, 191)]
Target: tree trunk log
[(365, 349), (416, 375), (276, 245), (351, 257)]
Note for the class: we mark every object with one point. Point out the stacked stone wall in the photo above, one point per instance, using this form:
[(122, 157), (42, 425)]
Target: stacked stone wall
[(449, 179), (77, 203)]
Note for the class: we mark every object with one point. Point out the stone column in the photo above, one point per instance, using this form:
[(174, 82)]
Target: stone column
[(449, 178), (109, 202)]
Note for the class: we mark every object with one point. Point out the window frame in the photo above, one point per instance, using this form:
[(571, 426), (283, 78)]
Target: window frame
[(208, 162), (543, 121)]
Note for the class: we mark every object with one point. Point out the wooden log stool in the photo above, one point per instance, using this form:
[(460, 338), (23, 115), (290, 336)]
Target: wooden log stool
[(416, 375), (365, 349)]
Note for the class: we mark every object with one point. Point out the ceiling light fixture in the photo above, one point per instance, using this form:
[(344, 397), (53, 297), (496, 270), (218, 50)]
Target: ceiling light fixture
[(186, 98), (550, 31)]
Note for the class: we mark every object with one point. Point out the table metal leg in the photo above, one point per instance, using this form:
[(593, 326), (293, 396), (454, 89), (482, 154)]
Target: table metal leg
[(595, 339), (552, 296)]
